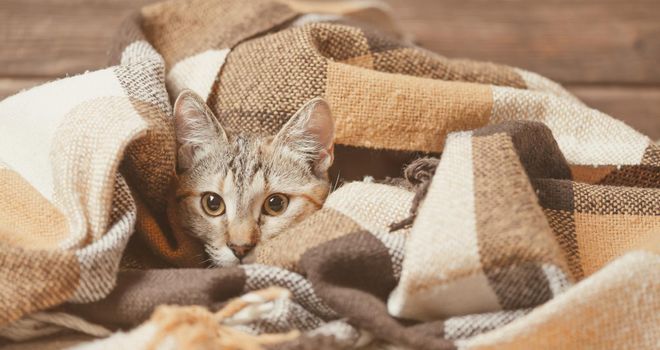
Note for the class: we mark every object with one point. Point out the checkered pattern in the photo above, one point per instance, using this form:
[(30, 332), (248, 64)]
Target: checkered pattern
[(538, 230), (262, 276)]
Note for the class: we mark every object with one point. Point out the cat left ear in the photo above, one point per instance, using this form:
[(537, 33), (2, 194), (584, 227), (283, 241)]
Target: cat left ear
[(195, 126), (311, 132)]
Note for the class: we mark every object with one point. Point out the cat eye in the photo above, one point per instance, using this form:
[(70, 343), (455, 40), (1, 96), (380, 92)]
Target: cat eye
[(275, 204), (213, 204)]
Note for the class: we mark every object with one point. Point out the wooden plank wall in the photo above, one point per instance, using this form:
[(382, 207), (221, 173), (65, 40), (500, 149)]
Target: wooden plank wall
[(606, 51)]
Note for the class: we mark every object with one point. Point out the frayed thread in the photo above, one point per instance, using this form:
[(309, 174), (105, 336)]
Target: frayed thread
[(417, 177)]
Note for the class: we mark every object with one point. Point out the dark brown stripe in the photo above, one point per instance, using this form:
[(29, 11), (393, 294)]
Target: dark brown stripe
[(420, 63), (520, 285), (139, 292), (634, 176), (563, 225), (555, 194), (556, 198), (612, 200), (513, 236), (652, 156), (536, 147), (360, 294)]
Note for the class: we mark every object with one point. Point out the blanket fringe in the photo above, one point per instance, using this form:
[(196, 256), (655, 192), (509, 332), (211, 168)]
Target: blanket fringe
[(196, 327)]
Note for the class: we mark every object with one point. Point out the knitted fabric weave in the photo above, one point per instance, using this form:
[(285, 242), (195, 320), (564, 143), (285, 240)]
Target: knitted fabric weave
[(539, 227)]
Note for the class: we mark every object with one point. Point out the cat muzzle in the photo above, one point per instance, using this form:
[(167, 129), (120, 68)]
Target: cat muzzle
[(240, 251)]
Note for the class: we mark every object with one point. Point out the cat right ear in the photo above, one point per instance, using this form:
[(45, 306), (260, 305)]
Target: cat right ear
[(195, 126)]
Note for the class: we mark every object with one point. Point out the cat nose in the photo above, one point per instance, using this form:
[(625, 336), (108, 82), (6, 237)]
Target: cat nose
[(240, 251)]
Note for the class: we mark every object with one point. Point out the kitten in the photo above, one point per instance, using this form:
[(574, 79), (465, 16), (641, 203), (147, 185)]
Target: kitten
[(237, 189)]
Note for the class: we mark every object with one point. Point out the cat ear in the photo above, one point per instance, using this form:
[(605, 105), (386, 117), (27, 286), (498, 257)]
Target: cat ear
[(195, 126), (311, 132)]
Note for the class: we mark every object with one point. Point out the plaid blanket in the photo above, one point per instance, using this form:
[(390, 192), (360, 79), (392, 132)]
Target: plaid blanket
[(537, 227)]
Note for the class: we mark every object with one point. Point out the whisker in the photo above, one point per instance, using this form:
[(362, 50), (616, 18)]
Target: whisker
[(334, 187)]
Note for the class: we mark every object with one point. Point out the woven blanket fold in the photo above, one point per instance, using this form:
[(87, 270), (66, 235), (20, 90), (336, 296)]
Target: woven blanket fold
[(539, 229)]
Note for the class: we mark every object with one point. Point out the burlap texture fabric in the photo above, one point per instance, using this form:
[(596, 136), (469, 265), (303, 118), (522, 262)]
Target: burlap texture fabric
[(539, 228)]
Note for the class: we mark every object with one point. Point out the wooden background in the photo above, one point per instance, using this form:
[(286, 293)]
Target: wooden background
[(607, 52)]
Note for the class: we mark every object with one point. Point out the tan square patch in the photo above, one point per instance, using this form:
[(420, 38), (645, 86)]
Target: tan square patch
[(590, 174), (382, 110), (27, 219), (601, 238), (286, 249)]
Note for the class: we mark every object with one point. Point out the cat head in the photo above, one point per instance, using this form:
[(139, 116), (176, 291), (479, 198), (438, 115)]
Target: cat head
[(235, 190)]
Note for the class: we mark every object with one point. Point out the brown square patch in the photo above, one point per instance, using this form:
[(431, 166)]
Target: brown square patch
[(613, 200), (179, 29), (339, 42), (417, 62), (652, 156), (555, 194), (33, 280), (563, 224), (520, 286), (266, 80), (508, 234), (514, 237), (634, 176)]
